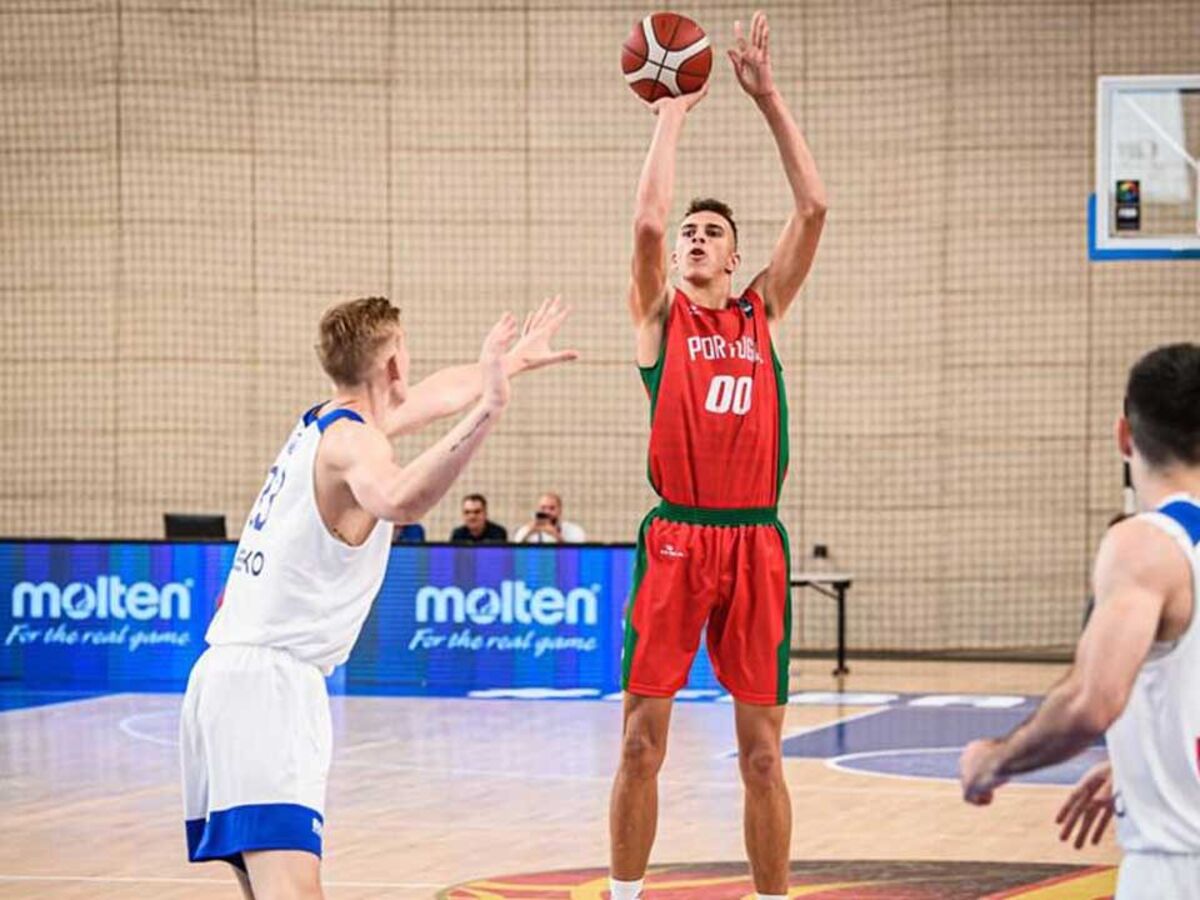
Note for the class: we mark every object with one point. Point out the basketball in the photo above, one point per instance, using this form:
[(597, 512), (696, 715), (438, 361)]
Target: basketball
[(666, 55)]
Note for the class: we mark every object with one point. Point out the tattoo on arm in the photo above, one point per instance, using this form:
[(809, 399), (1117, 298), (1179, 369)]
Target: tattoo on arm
[(479, 423)]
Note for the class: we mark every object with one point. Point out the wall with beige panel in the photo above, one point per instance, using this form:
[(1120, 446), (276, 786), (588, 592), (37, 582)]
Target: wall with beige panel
[(187, 185)]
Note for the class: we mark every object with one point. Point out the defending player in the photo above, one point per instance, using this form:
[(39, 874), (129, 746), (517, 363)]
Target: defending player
[(713, 553), (255, 733), (1136, 677)]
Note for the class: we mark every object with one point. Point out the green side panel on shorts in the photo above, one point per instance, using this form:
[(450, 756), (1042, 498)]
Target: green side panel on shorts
[(784, 651), (784, 446), (639, 572)]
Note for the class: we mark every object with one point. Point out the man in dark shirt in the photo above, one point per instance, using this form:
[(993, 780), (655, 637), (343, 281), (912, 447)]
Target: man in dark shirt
[(476, 529)]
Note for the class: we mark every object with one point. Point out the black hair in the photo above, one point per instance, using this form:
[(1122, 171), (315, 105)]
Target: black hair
[(1162, 403), (478, 498)]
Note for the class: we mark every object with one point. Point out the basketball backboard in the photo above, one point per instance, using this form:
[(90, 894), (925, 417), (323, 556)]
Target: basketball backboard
[(1147, 199)]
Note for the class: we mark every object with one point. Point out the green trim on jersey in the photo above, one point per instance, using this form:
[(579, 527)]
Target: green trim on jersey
[(784, 446), (783, 653), (696, 515), (652, 379), (639, 572), (652, 375)]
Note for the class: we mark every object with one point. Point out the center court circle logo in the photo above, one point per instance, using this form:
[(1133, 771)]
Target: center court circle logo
[(837, 880)]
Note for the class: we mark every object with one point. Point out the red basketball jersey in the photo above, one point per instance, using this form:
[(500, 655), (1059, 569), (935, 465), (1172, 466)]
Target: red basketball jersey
[(718, 433)]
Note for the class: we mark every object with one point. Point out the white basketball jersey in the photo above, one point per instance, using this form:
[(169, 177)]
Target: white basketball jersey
[(1155, 744), (294, 585)]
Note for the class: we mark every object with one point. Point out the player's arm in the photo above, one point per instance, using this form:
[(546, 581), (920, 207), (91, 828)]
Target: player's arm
[(656, 186), (796, 248), (405, 493), (449, 391), (1138, 569)]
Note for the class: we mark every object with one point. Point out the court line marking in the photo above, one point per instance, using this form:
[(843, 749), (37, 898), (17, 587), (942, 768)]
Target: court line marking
[(835, 763), (100, 879), (733, 783), (126, 726)]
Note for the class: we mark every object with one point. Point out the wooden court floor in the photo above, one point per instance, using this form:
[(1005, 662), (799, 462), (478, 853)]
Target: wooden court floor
[(430, 793)]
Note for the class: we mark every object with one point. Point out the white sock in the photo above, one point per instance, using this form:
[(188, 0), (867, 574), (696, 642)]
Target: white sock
[(625, 890), (771, 896)]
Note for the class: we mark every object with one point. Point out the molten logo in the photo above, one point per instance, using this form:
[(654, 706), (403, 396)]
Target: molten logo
[(511, 601), (108, 598)]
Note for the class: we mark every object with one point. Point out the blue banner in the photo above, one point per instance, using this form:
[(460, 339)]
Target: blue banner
[(106, 616), (449, 620)]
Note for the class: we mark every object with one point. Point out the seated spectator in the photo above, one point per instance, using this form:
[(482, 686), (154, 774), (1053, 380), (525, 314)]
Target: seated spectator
[(548, 525), (413, 533), (476, 527)]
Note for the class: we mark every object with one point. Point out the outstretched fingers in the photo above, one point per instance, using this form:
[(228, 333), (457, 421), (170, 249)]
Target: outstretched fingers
[(739, 37), (756, 29)]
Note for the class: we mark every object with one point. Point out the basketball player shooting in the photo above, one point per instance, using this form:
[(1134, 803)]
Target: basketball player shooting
[(255, 732), (1137, 665), (713, 553)]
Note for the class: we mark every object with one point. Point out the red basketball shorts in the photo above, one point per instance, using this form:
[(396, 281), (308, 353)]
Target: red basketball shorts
[(724, 573)]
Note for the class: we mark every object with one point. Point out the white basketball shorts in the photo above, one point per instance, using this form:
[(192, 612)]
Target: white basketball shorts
[(255, 745), (1159, 876)]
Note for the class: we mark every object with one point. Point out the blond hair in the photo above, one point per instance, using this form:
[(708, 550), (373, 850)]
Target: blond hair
[(351, 334)]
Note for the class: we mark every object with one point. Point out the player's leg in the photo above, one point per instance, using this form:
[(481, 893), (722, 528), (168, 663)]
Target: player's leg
[(749, 637), (284, 875), (243, 881), (194, 764), (263, 718), (672, 591), (768, 814), (633, 811)]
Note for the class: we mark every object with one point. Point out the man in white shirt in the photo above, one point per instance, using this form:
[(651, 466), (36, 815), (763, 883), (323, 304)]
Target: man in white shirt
[(548, 525)]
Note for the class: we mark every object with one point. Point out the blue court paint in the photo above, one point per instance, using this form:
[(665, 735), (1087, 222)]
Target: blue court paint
[(943, 765), (923, 741), (14, 697)]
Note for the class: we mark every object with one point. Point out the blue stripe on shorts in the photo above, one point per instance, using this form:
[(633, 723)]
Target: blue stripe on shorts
[(228, 833)]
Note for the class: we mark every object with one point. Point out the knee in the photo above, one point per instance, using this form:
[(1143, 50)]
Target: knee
[(761, 766), (641, 755)]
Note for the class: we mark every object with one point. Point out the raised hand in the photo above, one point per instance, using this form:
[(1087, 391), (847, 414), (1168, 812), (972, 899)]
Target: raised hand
[(682, 104), (533, 350), (1091, 806), (491, 361), (751, 59)]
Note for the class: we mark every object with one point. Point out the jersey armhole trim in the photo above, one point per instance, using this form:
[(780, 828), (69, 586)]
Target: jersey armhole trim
[(1187, 515), (652, 375), (329, 418), (310, 415)]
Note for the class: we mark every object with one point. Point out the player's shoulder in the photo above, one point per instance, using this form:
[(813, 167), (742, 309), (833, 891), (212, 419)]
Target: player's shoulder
[(347, 438), (1139, 549)]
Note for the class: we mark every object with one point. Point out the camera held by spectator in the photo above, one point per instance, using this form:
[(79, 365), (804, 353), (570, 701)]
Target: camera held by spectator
[(548, 525)]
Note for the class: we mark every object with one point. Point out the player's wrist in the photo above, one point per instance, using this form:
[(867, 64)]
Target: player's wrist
[(494, 401), (512, 364), (671, 113), (768, 98), (993, 762)]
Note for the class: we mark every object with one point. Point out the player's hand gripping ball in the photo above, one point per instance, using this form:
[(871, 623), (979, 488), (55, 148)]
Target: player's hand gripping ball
[(666, 55)]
